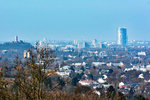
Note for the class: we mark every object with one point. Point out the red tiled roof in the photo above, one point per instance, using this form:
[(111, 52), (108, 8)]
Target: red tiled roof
[(1, 69), (87, 81)]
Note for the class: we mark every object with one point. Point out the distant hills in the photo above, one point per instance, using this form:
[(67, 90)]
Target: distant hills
[(9, 50), (15, 45)]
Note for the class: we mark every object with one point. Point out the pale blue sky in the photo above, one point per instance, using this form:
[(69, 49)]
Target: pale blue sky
[(73, 19)]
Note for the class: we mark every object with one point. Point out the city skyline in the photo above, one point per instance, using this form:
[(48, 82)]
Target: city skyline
[(74, 20), (74, 50)]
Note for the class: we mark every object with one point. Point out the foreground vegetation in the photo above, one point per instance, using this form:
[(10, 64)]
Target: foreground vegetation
[(32, 81)]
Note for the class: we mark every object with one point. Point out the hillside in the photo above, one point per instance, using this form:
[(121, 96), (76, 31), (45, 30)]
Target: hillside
[(9, 50)]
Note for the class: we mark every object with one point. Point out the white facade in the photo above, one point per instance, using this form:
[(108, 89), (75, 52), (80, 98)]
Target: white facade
[(26, 54), (16, 38), (141, 54), (88, 82)]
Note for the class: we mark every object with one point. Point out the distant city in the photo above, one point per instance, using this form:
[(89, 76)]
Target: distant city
[(98, 65), (74, 50)]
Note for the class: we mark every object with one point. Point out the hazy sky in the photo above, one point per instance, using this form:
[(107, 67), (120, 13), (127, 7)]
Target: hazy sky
[(73, 19)]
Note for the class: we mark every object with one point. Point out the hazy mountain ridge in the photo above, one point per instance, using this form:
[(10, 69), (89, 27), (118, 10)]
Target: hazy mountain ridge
[(15, 45), (9, 50)]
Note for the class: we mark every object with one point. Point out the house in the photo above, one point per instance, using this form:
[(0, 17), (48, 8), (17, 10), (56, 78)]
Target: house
[(118, 64), (64, 74), (141, 76), (64, 71), (141, 53), (79, 64), (87, 82), (100, 80), (148, 67), (121, 85), (98, 63), (66, 67)]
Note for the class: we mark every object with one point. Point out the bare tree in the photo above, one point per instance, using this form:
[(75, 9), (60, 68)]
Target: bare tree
[(30, 75)]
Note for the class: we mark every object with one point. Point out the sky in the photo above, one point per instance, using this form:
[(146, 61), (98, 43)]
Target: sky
[(34, 20)]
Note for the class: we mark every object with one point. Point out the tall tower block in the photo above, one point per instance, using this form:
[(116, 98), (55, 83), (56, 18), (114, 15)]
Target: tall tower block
[(16, 38), (122, 36)]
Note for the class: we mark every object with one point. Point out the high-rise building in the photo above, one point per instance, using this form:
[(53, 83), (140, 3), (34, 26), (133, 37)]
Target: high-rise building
[(83, 45), (94, 43), (75, 42), (122, 36), (86, 45), (16, 38), (102, 45)]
